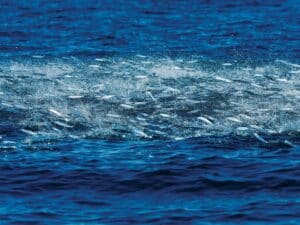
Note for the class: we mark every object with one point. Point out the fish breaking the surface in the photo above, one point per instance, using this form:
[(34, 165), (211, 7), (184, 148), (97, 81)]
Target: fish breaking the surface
[(163, 99)]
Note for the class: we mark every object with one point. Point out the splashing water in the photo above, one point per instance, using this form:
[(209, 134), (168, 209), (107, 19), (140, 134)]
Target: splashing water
[(145, 97)]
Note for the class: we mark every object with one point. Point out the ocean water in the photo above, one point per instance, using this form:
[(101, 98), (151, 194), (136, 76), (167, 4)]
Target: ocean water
[(149, 112)]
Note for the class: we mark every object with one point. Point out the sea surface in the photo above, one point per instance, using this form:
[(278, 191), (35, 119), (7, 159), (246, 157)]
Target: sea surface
[(149, 112)]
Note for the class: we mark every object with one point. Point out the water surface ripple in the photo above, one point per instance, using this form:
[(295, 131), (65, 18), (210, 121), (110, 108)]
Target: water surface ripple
[(149, 112)]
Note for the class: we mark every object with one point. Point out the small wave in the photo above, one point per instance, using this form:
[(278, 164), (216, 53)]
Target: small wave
[(145, 97)]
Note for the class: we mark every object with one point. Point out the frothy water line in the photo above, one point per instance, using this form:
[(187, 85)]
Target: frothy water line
[(145, 97)]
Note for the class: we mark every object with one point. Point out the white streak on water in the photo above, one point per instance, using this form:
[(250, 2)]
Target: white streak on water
[(61, 124), (205, 120), (28, 132), (127, 106), (75, 96), (260, 138), (55, 112)]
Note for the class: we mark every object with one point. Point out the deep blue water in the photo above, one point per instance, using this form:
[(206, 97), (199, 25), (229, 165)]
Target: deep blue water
[(149, 112)]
